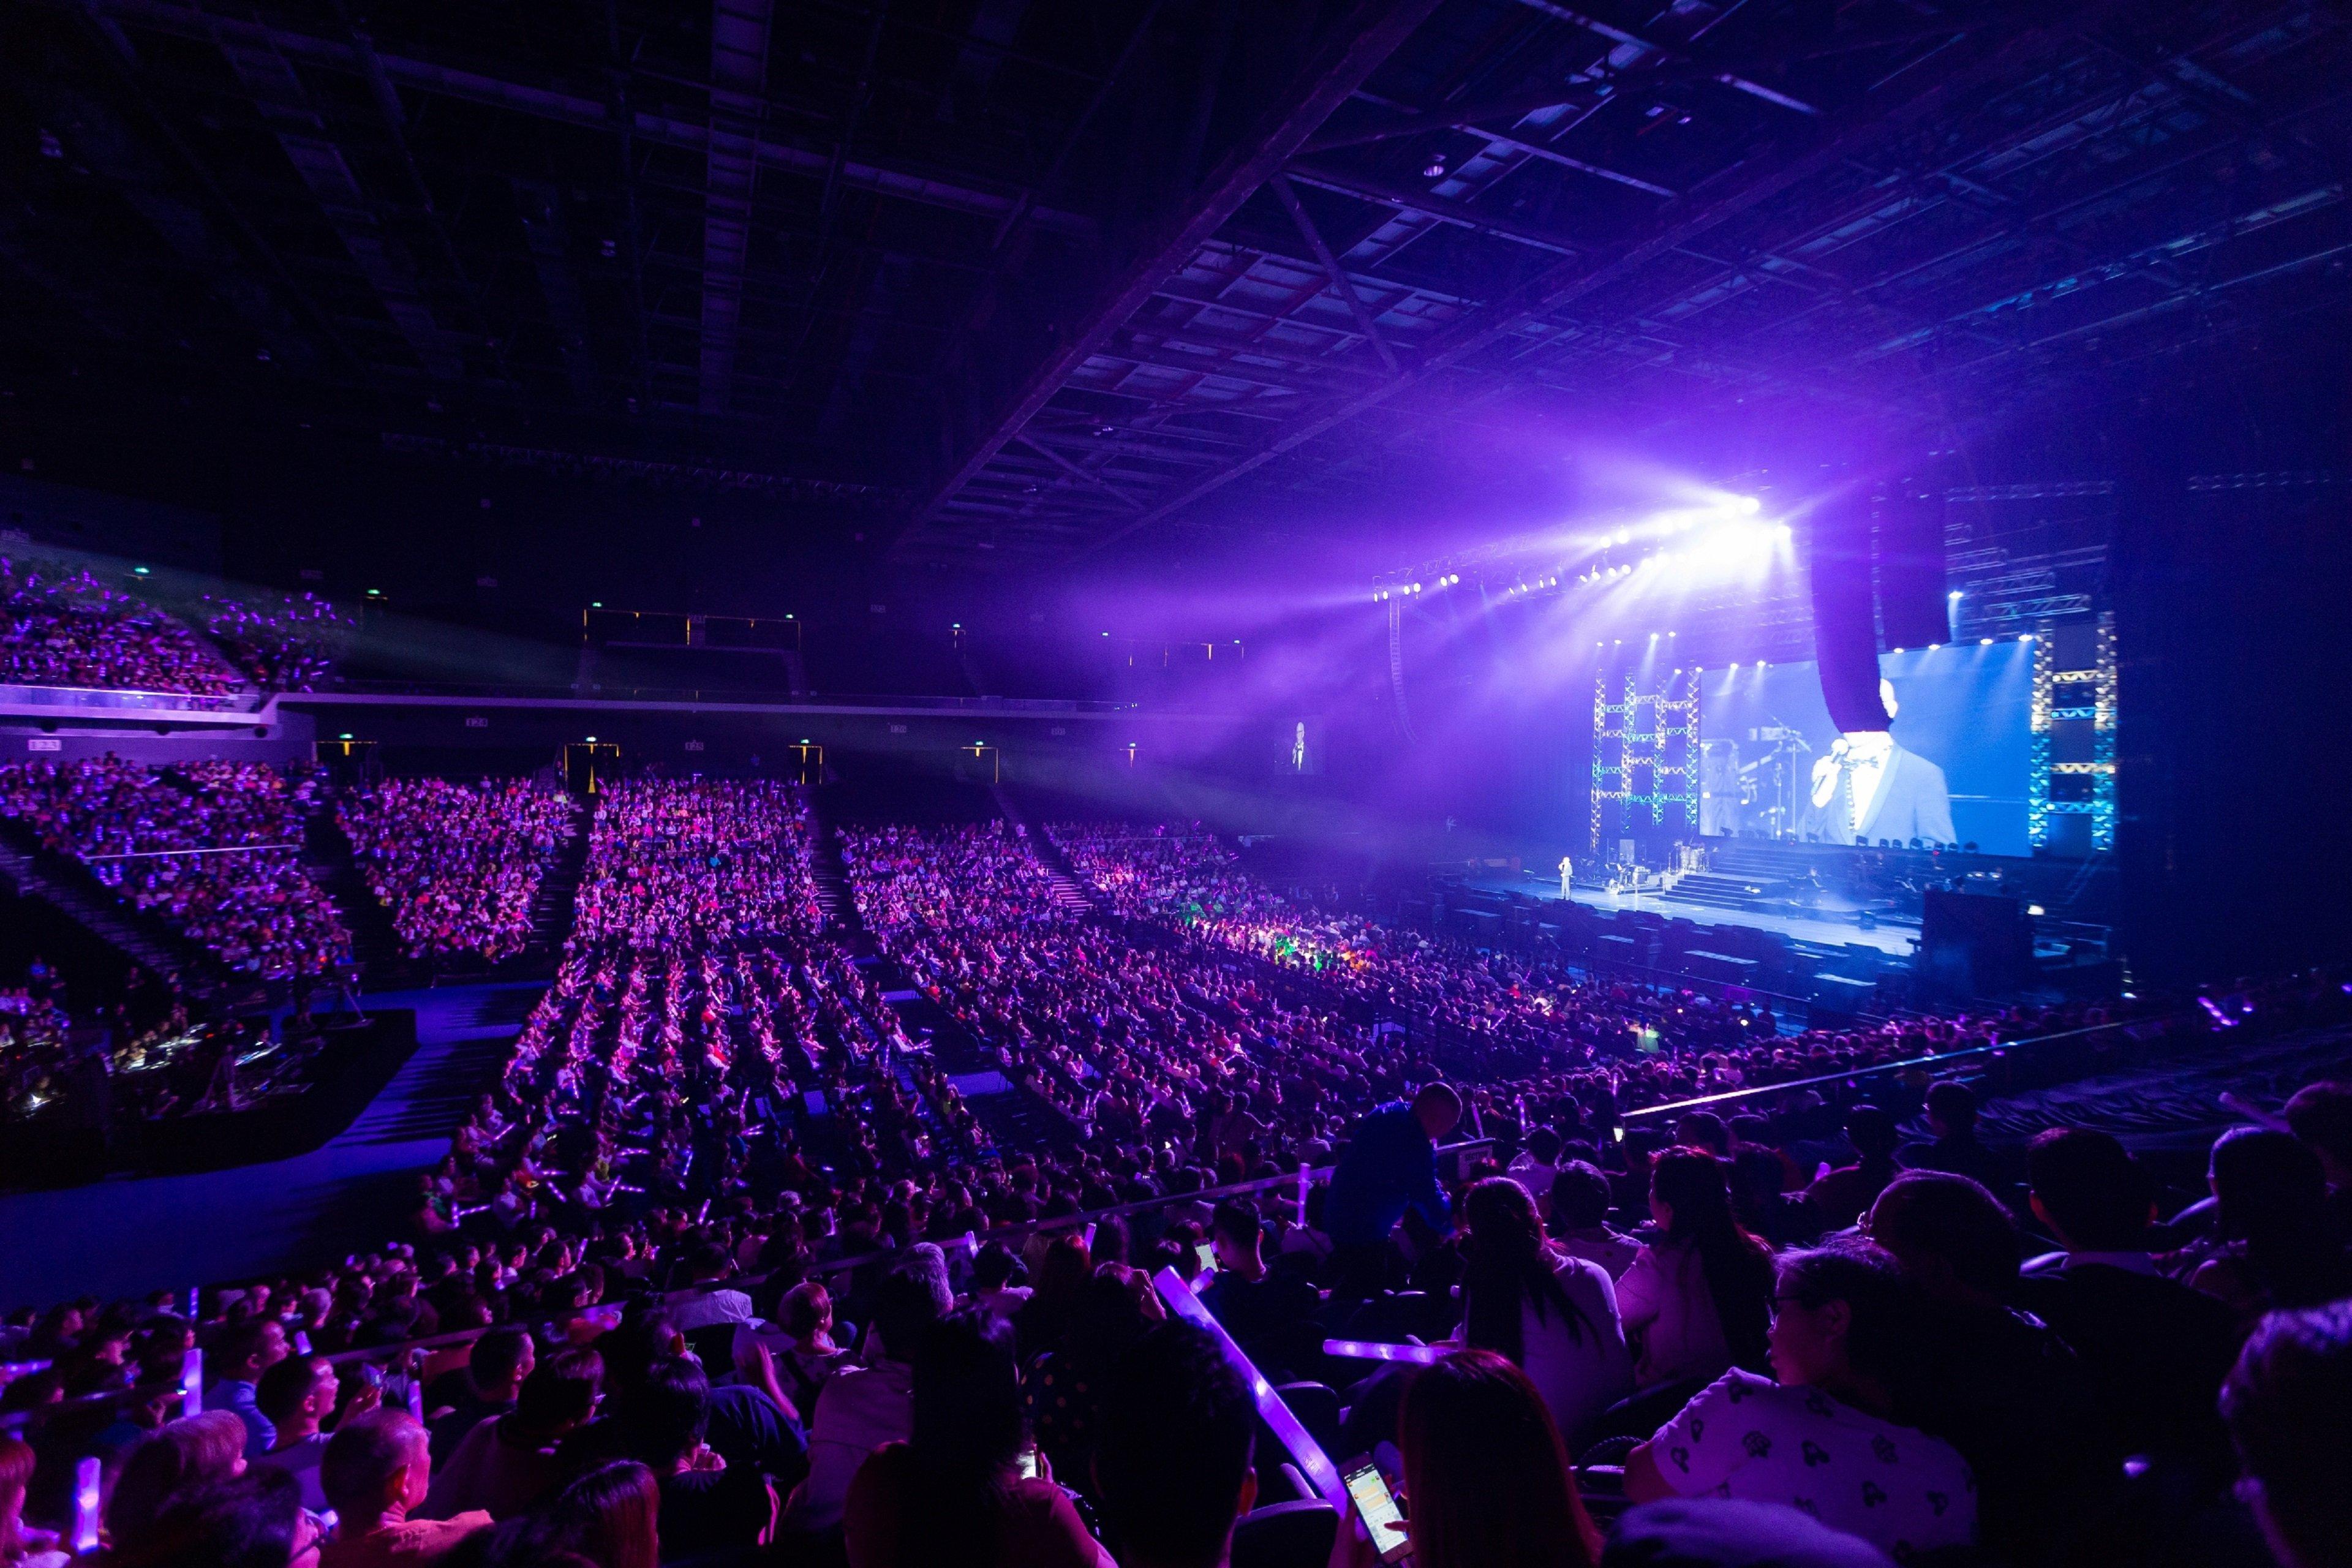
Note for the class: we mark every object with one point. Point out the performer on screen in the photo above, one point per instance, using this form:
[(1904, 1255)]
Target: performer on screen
[(1567, 874), (1869, 787)]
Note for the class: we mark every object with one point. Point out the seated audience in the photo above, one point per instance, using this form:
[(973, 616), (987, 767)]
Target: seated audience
[(2156, 1351), (862, 1407), (1254, 1304), (1173, 1459), (1551, 1315), (22, 1545), (243, 1355), (1842, 1195), (1698, 1297), (951, 1493), (2288, 1406), (707, 1505), (1579, 1219), (2277, 1241), (296, 1396), (1952, 1120), (377, 1471), (182, 1458), (508, 1462), (1486, 1474), (1820, 1435)]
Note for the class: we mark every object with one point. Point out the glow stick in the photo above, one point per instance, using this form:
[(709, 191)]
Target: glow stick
[(1370, 1350), (1305, 1176), (1320, 1472), (85, 1505), (192, 1382)]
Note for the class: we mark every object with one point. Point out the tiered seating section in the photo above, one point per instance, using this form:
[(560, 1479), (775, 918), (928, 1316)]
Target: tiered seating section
[(458, 865), (214, 848)]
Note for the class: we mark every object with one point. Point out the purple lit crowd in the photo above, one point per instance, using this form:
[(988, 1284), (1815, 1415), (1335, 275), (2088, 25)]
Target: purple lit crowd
[(752, 1278), (458, 865), (60, 626), (214, 848)]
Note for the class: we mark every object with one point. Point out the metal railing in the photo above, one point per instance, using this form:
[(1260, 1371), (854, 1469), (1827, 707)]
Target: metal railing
[(2157, 1026)]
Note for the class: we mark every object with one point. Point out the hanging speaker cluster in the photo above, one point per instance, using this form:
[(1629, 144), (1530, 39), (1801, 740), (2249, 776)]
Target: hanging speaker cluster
[(1877, 564)]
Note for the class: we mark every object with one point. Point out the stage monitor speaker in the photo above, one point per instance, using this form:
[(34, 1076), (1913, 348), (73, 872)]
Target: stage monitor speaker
[(1907, 547), (1845, 640), (1975, 944)]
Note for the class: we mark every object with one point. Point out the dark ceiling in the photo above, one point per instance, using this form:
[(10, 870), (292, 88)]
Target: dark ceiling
[(1024, 278)]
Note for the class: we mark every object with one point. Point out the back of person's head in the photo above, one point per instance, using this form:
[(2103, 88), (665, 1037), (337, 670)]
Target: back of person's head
[(1872, 1131), (993, 1266), (251, 1521), (182, 1455), (1946, 1231), (905, 1308), (1237, 1222), (2321, 1115), (368, 1458), (1172, 1449), (2288, 1406), (283, 1388), (1109, 1317), (663, 1417), (1438, 1107), (1486, 1472), (1953, 1104), (1500, 1214), (497, 1356), (1704, 1130), (2087, 1184), (2272, 1193), (708, 1261), (1880, 1328), (1692, 1184), (645, 1336), (807, 1307), (1543, 1145), (608, 1516), (1580, 1195), (966, 1397), (560, 1391)]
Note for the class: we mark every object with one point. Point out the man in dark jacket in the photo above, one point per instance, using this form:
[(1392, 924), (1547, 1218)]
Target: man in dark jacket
[(1390, 1166)]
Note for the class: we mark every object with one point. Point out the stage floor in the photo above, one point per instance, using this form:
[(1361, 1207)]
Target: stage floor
[(1895, 940)]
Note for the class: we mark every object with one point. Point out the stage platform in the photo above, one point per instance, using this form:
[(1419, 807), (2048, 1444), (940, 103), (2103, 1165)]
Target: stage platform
[(1898, 942)]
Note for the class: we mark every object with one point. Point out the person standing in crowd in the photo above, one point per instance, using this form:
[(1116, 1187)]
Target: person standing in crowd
[(1389, 1168)]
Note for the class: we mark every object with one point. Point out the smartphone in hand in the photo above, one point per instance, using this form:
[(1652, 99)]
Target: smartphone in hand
[(1377, 1506)]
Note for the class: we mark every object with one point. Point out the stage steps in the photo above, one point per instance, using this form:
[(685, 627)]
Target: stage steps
[(382, 959), (558, 885), (68, 888), (1072, 893)]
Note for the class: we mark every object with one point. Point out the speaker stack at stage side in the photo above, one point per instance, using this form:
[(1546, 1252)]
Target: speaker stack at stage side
[(1975, 944)]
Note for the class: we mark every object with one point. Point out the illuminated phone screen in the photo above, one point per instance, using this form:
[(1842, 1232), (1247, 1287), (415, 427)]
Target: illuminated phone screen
[(1380, 1511)]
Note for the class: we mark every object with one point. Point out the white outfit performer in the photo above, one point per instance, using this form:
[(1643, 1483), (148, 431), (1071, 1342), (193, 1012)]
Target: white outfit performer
[(1567, 873)]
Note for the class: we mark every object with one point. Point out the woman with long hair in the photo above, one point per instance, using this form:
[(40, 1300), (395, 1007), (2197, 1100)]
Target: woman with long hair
[(21, 1546), (952, 1495), (1487, 1478), (1699, 1296), (2279, 1243), (611, 1516), (1552, 1316)]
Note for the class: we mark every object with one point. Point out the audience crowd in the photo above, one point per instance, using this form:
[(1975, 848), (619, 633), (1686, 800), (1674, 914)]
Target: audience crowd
[(62, 627), (213, 847), (458, 865), (286, 644), (749, 1281)]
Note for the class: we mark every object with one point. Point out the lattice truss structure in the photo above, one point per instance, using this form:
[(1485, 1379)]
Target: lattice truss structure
[(2074, 714), (1645, 756), (1020, 278)]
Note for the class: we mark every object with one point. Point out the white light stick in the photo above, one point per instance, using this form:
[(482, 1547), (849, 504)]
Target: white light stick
[(85, 1506), (192, 1382), (1320, 1472), (1305, 1176), (1369, 1350)]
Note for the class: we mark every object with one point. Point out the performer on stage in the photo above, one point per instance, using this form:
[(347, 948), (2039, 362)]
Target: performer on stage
[(1869, 787), (1567, 874)]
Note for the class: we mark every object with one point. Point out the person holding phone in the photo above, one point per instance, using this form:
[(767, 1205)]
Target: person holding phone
[(1487, 1478)]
